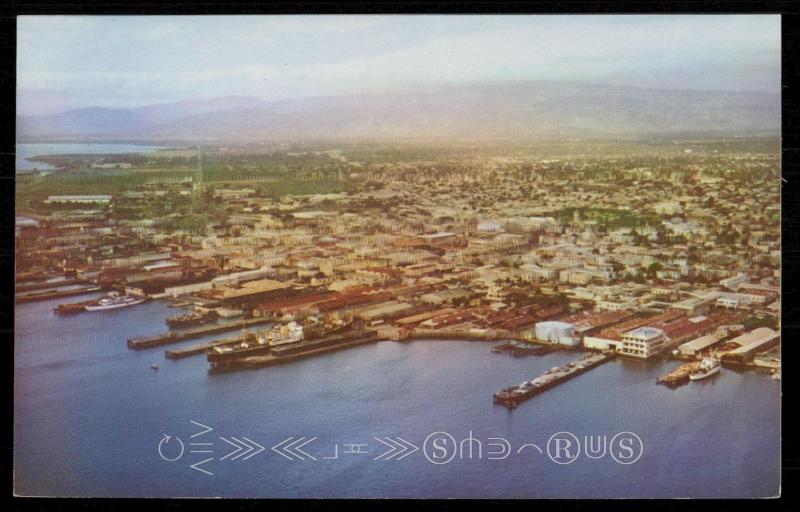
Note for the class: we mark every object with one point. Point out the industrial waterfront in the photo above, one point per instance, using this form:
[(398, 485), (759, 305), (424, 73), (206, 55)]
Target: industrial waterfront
[(89, 413)]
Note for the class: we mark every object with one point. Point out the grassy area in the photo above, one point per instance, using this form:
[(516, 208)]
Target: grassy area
[(281, 188)]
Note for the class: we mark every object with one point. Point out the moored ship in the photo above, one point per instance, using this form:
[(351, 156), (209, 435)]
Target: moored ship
[(281, 338), (249, 345), (255, 344), (708, 367), (113, 301)]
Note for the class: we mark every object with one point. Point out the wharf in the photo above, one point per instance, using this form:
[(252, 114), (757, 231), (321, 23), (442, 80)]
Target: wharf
[(299, 351), (57, 294), (520, 349), (176, 336), (43, 285), (200, 348), (678, 376), (512, 396)]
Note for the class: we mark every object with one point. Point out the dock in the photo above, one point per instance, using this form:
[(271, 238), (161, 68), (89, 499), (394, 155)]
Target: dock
[(520, 349), (44, 285), (512, 396), (176, 336), (200, 348), (678, 376), (57, 294)]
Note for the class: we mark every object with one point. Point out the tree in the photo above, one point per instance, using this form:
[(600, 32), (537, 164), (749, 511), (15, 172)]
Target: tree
[(653, 268)]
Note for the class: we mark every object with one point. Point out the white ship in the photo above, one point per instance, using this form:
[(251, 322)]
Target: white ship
[(708, 367), (114, 301)]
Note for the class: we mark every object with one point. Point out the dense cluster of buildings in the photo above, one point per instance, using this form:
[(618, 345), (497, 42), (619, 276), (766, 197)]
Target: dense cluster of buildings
[(631, 254)]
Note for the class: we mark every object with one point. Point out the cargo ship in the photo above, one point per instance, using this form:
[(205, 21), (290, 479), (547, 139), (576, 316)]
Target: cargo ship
[(249, 345), (255, 344), (279, 337), (113, 301)]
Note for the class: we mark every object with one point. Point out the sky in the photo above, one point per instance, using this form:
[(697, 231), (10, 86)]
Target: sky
[(66, 62)]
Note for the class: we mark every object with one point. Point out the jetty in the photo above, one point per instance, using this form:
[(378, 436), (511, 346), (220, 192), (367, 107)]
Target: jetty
[(202, 348), (678, 376), (44, 285), (177, 336), (55, 294), (523, 349), (512, 396)]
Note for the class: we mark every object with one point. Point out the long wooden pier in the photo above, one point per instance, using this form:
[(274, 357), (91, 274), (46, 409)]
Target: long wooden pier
[(200, 348), (43, 285), (176, 336), (512, 396), (57, 294)]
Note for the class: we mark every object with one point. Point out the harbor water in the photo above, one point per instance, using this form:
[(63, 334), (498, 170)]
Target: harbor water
[(91, 415), (30, 150)]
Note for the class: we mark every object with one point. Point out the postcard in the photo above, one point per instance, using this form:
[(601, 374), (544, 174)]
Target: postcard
[(398, 256)]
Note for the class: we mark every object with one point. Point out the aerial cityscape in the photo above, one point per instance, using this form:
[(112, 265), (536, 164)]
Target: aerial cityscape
[(465, 262)]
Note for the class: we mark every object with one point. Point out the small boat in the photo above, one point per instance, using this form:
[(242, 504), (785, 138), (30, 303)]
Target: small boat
[(154, 366), (708, 367)]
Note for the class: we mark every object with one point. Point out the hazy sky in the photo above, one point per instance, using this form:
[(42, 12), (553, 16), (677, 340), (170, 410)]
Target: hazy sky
[(77, 61)]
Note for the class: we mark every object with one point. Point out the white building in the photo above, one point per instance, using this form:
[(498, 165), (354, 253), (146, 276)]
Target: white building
[(643, 342), (557, 332), (84, 199)]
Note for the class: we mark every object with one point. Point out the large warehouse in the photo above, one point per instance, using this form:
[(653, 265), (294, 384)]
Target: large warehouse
[(557, 332), (751, 343)]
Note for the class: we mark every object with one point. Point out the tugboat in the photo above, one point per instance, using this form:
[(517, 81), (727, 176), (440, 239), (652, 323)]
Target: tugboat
[(708, 367), (114, 301)]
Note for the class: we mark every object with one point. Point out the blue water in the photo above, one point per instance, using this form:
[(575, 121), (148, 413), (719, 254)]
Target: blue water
[(89, 415), (25, 151)]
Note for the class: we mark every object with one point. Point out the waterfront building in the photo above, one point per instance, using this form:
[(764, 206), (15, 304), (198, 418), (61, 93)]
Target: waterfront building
[(751, 343), (556, 332), (643, 342)]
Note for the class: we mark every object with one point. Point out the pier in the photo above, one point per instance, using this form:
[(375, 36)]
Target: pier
[(202, 348), (43, 285), (56, 294), (512, 396), (176, 336), (678, 376), (523, 349)]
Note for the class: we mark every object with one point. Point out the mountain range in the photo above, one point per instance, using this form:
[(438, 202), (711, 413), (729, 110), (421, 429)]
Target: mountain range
[(513, 109)]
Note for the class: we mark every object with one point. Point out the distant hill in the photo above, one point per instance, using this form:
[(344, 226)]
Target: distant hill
[(515, 109)]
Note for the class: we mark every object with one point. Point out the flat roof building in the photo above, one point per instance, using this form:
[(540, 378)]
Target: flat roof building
[(751, 343), (643, 342), (556, 332), (692, 348)]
